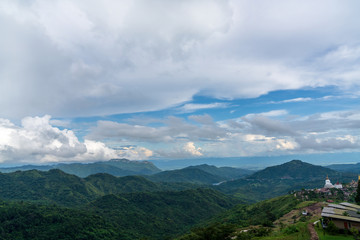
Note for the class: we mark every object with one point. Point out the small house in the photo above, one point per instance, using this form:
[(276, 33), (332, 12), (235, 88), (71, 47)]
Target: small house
[(344, 215)]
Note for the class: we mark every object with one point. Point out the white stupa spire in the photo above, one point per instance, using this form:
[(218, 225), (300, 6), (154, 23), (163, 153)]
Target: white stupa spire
[(328, 184)]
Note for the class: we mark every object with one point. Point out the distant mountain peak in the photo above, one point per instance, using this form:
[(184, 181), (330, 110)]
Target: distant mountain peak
[(119, 160), (295, 169)]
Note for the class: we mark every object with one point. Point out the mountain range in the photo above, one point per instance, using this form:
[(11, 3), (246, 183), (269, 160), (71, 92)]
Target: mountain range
[(281, 179), (354, 168), (104, 206), (116, 167)]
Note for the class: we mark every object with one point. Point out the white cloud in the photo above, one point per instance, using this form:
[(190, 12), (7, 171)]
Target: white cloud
[(172, 130), (192, 150), (295, 100), (75, 58), (191, 107), (268, 133), (36, 140), (272, 113)]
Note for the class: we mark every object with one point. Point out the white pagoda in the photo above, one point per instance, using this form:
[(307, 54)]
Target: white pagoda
[(328, 184)]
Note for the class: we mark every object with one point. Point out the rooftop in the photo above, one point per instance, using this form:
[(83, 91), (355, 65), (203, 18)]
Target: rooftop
[(343, 211)]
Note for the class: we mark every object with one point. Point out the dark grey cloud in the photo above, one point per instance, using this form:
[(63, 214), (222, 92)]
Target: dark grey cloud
[(269, 127)]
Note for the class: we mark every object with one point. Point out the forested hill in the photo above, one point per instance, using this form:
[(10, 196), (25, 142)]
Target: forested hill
[(145, 215), (55, 186), (190, 175), (294, 169), (160, 214), (279, 180), (116, 167), (200, 174), (354, 168), (226, 173)]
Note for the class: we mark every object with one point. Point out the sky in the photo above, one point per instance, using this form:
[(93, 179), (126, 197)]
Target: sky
[(84, 81)]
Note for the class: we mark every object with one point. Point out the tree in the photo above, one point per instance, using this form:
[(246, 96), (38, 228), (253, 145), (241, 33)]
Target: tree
[(357, 198)]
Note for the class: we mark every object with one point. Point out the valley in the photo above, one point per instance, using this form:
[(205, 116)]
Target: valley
[(173, 204)]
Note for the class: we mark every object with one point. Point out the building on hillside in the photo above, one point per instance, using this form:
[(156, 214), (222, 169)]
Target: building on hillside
[(328, 184), (344, 215), (338, 185)]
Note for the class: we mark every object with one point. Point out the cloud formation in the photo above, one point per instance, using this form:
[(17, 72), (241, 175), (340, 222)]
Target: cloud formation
[(268, 133), (75, 58), (36, 140)]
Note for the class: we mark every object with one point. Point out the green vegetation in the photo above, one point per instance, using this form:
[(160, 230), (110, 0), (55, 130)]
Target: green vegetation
[(31, 221), (167, 212), (279, 180), (305, 204), (242, 216), (294, 169), (261, 213), (61, 188), (116, 167), (333, 234), (189, 175), (353, 168), (125, 216), (103, 206), (357, 196), (227, 173)]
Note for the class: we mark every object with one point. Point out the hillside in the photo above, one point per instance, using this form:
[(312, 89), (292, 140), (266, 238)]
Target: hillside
[(157, 215), (103, 206), (353, 168), (227, 173), (55, 186), (262, 215), (279, 180), (116, 167), (52, 186), (294, 169), (187, 175), (167, 212), (21, 220)]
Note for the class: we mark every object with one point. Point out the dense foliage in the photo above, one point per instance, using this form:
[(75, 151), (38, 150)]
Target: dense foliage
[(116, 167), (103, 206), (58, 187), (20, 220), (226, 225), (156, 215), (261, 213), (282, 179), (160, 214), (190, 175), (357, 196), (294, 169), (227, 173)]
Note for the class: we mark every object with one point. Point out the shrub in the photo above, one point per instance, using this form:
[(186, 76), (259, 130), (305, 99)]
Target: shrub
[(290, 229), (331, 228)]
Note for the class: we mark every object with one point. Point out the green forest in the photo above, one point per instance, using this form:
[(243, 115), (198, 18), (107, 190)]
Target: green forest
[(181, 204)]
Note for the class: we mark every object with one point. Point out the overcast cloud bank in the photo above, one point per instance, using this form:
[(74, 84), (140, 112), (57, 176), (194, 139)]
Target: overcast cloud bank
[(72, 59)]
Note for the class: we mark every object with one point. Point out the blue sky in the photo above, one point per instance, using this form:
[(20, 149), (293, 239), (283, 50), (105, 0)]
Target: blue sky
[(178, 79)]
